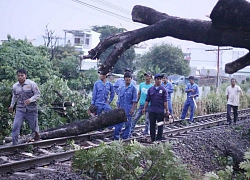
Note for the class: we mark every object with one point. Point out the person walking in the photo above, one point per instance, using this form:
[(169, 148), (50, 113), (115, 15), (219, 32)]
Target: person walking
[(103, 94), (141, 97), (25, 93), (169, 88), (157, 96), (127, 99), (192, 91), (233, 93)]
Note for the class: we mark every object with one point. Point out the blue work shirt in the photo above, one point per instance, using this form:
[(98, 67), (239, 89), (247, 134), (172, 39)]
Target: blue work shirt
[(157, 96), (101, 93), (120, 82), (127, 96), (195, 88), (169, 88)]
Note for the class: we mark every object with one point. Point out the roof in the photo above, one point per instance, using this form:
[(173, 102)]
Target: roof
[(88, 64)]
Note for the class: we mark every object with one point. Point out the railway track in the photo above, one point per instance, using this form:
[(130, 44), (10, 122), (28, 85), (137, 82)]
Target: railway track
[(33, 155)]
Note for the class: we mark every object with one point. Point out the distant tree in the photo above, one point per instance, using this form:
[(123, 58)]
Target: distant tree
[(51, 42), (126, 59), (165, 58)]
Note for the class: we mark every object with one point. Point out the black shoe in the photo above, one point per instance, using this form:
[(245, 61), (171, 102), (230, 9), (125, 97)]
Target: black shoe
[(229, 123)]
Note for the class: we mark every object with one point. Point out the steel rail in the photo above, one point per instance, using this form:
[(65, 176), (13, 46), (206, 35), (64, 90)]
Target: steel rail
[(205, 122)]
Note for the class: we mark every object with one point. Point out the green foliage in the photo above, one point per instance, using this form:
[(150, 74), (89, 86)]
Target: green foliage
[(140, 76), (246, 164), (228, 173), (132, 161), (15, 54), (5, 116), (47, 116), (221, 175), (126, 59), (165, 58)]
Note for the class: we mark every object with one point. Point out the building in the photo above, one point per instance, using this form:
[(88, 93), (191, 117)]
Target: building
[(82, 40)]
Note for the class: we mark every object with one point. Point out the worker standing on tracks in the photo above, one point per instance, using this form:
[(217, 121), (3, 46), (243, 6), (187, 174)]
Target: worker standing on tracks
[(141, 97), (103, 94), (127, 99), (121, 82), (157, 96), (24, 94), (192, 91), (233, 100), (169, 88)]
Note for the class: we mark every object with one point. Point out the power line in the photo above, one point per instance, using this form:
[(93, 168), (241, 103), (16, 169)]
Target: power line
[(113, 6), (104, 11)]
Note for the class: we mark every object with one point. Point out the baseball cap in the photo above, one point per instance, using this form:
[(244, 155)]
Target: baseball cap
[(148, 74), (158, 75), (127, 74)]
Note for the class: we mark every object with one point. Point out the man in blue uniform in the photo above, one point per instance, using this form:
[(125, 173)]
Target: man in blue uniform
[(157, 96), (126, 99), (24, 94), (141, 97), (121, 82), (169, 88), (192, 91), (103, 94)]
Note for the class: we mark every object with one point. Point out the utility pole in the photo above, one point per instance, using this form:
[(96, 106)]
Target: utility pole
[(218, 64)]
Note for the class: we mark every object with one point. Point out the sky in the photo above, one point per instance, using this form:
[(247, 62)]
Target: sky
[(28, 18)]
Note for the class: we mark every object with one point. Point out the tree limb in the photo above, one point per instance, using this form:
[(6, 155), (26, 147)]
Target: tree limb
[(218, 32)]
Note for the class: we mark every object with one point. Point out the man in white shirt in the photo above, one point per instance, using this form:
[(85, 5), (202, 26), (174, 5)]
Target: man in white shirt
[(233, 93)]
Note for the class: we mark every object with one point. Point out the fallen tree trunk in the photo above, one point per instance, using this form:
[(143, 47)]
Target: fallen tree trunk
[(237, 155), (223, 30), (104, 120)]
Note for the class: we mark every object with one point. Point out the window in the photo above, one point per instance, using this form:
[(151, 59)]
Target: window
[(87, 41), (77, 40)]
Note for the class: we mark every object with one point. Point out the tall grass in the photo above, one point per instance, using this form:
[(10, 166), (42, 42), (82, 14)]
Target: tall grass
[(210, 102)]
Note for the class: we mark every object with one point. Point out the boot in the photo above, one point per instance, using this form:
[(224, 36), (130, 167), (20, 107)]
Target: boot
[(37, 136)]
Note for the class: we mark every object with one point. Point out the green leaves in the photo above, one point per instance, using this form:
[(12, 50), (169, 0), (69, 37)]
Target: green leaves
[(131, 161), (165, 58)]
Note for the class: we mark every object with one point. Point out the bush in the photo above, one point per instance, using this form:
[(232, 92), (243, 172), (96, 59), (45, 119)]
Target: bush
[(132, 161)]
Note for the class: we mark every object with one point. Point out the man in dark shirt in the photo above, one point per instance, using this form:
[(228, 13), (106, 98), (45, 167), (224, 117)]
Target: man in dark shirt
[(157, 95)]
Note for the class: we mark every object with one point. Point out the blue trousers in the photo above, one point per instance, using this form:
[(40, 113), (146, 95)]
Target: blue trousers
[(102, 108), (170, 109), (127, 131), (188, 102), (31, 117), (137, 116)]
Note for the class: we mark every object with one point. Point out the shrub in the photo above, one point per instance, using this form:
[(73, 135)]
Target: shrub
[(132, 161)]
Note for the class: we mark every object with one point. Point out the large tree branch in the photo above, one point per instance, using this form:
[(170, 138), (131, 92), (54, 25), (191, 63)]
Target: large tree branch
[(162, 25)]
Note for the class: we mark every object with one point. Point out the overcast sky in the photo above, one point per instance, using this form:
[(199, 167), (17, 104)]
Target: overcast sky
[(21, 18)]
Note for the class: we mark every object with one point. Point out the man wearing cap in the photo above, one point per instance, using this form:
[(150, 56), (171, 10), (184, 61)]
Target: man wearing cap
[(169, 88), (141, 97), (120, 82), (127, 98), (192, 91), (157, 96), (103, 94)]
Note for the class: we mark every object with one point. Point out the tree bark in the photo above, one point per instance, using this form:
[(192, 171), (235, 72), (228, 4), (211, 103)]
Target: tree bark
[(104, 120), (229, 27), (233, 151)]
